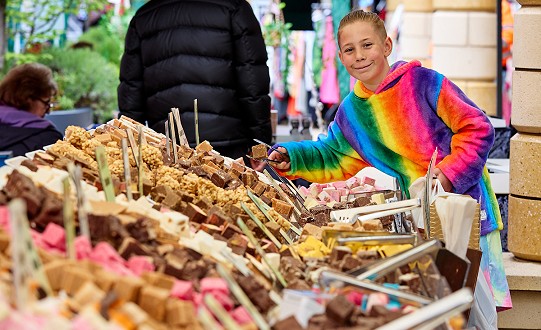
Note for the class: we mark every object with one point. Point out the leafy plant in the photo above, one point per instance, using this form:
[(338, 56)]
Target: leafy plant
[(85, 79), (37, 21)]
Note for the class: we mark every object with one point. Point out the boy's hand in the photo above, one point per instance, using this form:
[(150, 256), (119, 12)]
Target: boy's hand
[(445, 183), (256, 165), (281, 160)]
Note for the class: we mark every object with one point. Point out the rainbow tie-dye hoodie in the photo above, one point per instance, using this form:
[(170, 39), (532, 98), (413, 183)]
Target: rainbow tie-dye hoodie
[(397, 128)]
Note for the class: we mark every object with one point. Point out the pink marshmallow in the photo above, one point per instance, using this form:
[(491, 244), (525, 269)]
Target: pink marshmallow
[(335, 195), (240, 315), (213, 284), (83, 247), (140, 264), (54, 236), (182, 290)]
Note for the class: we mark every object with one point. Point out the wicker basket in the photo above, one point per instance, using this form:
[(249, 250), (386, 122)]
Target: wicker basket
[(437, 232)]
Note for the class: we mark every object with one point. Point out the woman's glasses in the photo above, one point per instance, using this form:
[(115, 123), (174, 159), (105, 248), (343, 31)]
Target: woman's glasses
[(48, 104)]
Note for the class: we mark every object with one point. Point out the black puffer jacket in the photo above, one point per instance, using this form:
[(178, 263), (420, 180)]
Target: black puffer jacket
[(211, 50)]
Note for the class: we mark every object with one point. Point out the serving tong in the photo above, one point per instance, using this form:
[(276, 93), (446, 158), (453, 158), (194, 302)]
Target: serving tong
[(364, 213)]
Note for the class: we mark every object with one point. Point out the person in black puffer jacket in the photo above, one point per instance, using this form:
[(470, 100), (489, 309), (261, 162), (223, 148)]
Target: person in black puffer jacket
[(211, 50)]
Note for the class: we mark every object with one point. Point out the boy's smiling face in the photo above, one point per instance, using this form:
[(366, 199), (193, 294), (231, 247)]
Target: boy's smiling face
[(364, 53)]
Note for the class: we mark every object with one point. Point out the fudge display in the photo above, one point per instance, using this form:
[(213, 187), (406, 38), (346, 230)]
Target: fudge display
[(151, 262)]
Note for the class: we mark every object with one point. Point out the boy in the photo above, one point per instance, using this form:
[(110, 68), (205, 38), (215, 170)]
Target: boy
[(393, 120)]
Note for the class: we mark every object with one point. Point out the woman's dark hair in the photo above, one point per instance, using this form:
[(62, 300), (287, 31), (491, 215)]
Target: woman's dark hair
[(26, 82)]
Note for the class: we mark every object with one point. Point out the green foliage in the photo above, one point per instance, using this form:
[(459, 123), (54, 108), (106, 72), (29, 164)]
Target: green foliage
[(275, 30), (85, 79), (35, 20), (104, 42)]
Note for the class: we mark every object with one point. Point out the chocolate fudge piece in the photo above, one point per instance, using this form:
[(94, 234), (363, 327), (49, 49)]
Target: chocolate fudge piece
[(362, 201), (131, 247), (106, 228), (21, 186), (255, 291), (220, 178), (238, 243), (339, 253), (349, 263), (321, 209), (259, 188), (249, 179), (274, 228), (194, 213), (289, 323), (339, 309), (233, 184), (30, 165), (51, 211), (321, 219)]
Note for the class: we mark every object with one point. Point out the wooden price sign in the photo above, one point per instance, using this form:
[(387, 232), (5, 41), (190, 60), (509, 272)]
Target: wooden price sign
[(127, 172), (82, 202), (69, 223), (26, 262), (105, 174)]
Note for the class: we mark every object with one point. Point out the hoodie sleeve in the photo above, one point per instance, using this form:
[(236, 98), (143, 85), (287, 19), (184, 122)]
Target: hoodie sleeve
[(330, 158), (252, 72), (131, 97), (473, 136)]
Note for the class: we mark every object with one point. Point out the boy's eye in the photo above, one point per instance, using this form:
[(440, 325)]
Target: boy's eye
[(347, 50), (367, 45)]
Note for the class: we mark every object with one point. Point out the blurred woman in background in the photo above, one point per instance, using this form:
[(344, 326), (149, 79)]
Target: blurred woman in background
[(26, 94)]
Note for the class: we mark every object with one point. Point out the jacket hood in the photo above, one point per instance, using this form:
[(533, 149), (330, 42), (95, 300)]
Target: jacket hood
[(398, 69), (10, 116)]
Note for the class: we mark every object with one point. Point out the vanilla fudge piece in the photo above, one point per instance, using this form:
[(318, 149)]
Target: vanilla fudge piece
[(259, 151), (153, 300)]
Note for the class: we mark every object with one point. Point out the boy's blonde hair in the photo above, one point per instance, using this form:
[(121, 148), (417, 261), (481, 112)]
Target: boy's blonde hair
[(360, 15)]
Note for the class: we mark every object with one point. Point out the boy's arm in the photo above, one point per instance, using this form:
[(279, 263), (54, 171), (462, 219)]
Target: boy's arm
[(473, 136), (330, 158)]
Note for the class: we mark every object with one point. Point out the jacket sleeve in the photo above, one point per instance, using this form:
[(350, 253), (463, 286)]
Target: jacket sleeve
[(473, 136), (131, 99), (330, 158), (252, 72)]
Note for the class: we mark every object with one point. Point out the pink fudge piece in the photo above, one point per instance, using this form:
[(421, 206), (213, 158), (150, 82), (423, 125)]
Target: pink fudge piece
[(343, 191), (352, 182), (104, 251), (224, 300), (140, 264), (368, 180), (213, 284), (355, 298), (38, 240), (375, 299), (55, 236), (4, 218), (314, 189), (339, 184), (335, 195), (80, 323), (324, 196), (83, 247), (304, 191), (197, 300), (240, 315), (182, 290)]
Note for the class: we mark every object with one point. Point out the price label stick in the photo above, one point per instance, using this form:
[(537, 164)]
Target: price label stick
[(207, 320), (243, 299), (180, 130), (173, 136), (196, 118), (221, 314), (127, 170), (140, 174), (261, 252), (167, 141), (26, 262), (69, 224), (261, 226), (82, 202), (133, 145), (261, 206), (105, 175)]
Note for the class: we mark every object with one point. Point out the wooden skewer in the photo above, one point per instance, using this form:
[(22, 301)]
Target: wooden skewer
[(127, 172), (196, 118), (173, 137)]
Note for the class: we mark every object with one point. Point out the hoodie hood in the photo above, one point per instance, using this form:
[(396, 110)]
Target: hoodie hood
[(398, 69), (12, 117)]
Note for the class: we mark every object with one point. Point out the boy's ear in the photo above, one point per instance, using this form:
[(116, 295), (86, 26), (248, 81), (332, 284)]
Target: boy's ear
[(388, 46), (340, 55)]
